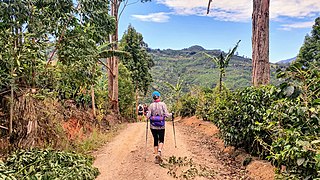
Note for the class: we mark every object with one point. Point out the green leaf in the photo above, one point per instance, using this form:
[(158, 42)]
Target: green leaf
[(289, 90), (315, 141)]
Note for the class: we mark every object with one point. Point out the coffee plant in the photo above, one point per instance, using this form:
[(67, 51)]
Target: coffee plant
[(47, 164)]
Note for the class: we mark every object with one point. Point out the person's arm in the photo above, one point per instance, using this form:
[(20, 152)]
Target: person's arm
[(149, 111), (166, 113)]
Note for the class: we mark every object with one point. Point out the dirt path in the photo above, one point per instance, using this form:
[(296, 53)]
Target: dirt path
[(124, 157)]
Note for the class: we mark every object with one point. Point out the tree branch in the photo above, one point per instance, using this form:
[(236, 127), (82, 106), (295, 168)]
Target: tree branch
[(124, 6), (104, 64), (208, 10)]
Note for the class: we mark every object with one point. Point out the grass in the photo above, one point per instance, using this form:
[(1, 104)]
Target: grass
[(94, 141)]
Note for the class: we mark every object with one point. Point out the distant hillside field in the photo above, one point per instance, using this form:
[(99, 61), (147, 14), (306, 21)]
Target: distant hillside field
[(197, 70)]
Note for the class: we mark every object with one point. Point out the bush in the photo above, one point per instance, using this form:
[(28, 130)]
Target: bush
[(266, 122), (188, 105), (47, 164), (208, 101), (238, 114), (294, 130)]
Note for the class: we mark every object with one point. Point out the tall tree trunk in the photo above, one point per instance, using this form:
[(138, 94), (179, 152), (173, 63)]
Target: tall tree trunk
[(220, 82), (260, 42), (113, 63)]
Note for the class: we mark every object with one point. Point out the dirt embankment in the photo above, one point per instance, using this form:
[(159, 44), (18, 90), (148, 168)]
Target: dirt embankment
[(202, 153)]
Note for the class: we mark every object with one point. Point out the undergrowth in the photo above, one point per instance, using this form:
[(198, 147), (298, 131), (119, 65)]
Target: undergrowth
[(186, 168)]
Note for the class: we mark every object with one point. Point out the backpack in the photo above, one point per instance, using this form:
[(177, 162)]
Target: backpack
[(157, 117), (140, 108)]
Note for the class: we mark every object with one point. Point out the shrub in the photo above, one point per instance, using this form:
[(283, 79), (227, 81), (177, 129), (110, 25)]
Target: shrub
[(188, 105), (47, 164), (294, 130), (238, 114)]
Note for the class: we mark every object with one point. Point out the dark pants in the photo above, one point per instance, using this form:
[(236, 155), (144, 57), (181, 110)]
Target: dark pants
[(158, 136)]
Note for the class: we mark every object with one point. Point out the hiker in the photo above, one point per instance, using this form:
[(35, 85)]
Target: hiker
[(140, 112), (157, 114), (145, 110)]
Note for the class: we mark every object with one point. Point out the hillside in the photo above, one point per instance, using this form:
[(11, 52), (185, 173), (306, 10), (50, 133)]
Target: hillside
[(197, 70), (286, 61)]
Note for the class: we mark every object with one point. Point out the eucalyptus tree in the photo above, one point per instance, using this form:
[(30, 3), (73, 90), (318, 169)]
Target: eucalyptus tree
[(116, 9), (140, 61), (222, 61), (260, 41)]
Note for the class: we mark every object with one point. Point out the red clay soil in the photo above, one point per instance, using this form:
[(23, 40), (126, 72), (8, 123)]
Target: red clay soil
[(257, 169), (128, 156), (75, 129)]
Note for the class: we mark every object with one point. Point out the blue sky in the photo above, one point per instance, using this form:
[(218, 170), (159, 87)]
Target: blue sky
[(178, 24)]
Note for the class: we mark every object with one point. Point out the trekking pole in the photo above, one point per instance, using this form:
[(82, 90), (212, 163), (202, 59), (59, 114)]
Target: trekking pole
[(174, 132), (145, 155)]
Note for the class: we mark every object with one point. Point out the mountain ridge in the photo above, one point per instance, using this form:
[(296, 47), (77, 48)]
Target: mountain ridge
[(197, 70), (287, 61)]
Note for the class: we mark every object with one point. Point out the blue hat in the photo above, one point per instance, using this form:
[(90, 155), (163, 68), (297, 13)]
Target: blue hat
[(156, 93)]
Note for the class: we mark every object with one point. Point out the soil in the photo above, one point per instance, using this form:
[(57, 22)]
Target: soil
[(128, 156)]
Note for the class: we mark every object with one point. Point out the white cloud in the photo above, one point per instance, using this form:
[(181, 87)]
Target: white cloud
[(241, 10), (153, 17), (288, 27)]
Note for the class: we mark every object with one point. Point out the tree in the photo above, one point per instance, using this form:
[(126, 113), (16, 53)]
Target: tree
[(260, 42), (222, 61), (302, 77), (310, 50), (140, 61), (177, 88), (34, 33), (113, 62)]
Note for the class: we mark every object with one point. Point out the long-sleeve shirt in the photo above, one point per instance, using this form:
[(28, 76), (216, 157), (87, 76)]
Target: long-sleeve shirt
[(160, 109)]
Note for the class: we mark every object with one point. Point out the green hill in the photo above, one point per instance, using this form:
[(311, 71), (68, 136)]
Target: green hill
[(197, 70)]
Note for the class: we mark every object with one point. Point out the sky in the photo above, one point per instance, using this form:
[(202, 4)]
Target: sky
[(178, 24)]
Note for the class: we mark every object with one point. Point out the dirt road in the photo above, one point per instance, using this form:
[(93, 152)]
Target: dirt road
[(124, 157)]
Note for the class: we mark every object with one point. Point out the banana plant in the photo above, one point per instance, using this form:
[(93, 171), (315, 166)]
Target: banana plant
[(222, 61), (177, 88)]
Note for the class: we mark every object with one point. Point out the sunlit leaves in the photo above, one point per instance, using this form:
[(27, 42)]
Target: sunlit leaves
[(140, 61), (47, 164)]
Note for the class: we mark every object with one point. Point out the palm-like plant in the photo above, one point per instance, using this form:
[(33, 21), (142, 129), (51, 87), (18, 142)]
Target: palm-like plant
[(222, 62), (177, 88)]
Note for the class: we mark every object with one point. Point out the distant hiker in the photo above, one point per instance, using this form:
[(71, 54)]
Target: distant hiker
[(140, 112), (157, 114), (145, 109)]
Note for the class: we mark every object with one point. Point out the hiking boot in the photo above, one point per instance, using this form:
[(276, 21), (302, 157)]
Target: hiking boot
[(158, 159)]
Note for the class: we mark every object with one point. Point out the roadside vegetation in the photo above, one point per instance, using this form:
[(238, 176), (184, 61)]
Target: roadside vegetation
[(54, 86), (277, 123), (57, 106)]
